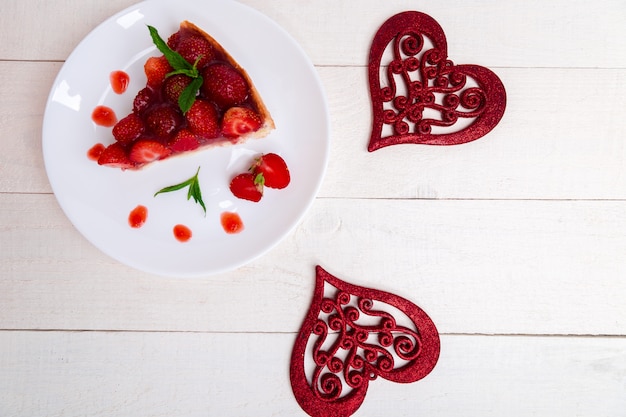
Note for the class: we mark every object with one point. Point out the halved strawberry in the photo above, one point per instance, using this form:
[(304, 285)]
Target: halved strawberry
[(238, 121), (129, 128), (274, 170), (224, 85), (144, 151), (156, 68), (184, 141), (203, 120), (115, 156), (247, 186)]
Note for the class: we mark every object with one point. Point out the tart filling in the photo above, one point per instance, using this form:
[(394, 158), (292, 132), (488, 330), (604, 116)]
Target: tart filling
[(208, 101)]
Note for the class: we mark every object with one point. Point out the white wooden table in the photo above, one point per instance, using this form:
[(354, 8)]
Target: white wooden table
[(514, 244)]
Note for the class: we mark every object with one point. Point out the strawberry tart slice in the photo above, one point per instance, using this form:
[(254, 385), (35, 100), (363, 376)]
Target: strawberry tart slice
[(196, 96)]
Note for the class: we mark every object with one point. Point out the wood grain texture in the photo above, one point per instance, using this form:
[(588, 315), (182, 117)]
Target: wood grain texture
[(513, 244), (477, 266), (198, 374), (515, 161), (556, 34)]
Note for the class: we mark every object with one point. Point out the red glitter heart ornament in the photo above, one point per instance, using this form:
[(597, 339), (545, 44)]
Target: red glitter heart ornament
[(422, 97), (350, 336)]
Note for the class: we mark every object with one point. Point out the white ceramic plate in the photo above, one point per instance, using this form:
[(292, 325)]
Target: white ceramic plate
[(98, 199)]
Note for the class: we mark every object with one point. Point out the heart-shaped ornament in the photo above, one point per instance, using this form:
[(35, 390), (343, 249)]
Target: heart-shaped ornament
[(419, 95), (352, 335)]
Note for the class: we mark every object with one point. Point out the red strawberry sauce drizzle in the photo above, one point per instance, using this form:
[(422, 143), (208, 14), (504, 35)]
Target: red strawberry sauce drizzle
[(95, 151), (104, 116), (138, 216), (119, 81), (231, 222), (182, 233)]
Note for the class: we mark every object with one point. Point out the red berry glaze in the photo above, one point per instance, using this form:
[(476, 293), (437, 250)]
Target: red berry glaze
[(104, 116), (138, 216), (203, 120), (182, 233), (143, 100), (129, 128), (224, 85), (224, 110), (231, 222), (119, 81), (184, 140), (163, 121), (173, 86), (95, 151), (191, 47)]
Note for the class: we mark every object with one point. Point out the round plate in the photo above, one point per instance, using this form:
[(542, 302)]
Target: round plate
[(99, 199)]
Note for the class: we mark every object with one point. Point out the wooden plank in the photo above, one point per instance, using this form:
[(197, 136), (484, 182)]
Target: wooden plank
[(51, 29), (197, 374), (542, 149), (521, 267), (22, 105), (513, 244), (480, 32), (342, 35)]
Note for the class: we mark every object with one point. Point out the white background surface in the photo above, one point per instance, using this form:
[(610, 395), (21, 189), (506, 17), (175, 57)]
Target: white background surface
[(513, 244)]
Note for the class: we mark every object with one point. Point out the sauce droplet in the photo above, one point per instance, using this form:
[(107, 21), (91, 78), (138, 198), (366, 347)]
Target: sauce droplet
[(182, 233), (119, 81), (104, 116), (231, 222), (138, 216), (95, 151)]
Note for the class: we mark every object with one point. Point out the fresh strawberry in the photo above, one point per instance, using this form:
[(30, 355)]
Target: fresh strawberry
[(274, 170), (142, 100), (192, 47), (173, 86), (156, 68), (247, 186), (224, 85), (240, 120), (129, 128), (144, 151), (184, 141), (173, 40), (115, 156), (203, 120), (163, 120)]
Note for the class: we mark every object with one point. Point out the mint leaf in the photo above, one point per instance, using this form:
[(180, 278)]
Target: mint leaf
[(173, 187), (174, 58), (192, 73), (180, 66), (194, 190), (188, 95)]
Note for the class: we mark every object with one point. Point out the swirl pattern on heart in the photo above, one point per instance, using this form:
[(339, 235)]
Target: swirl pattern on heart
[(420, 96), (350, 336)]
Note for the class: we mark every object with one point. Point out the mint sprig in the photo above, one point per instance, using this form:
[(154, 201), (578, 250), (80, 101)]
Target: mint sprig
[(194, 189), (180, 66)]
